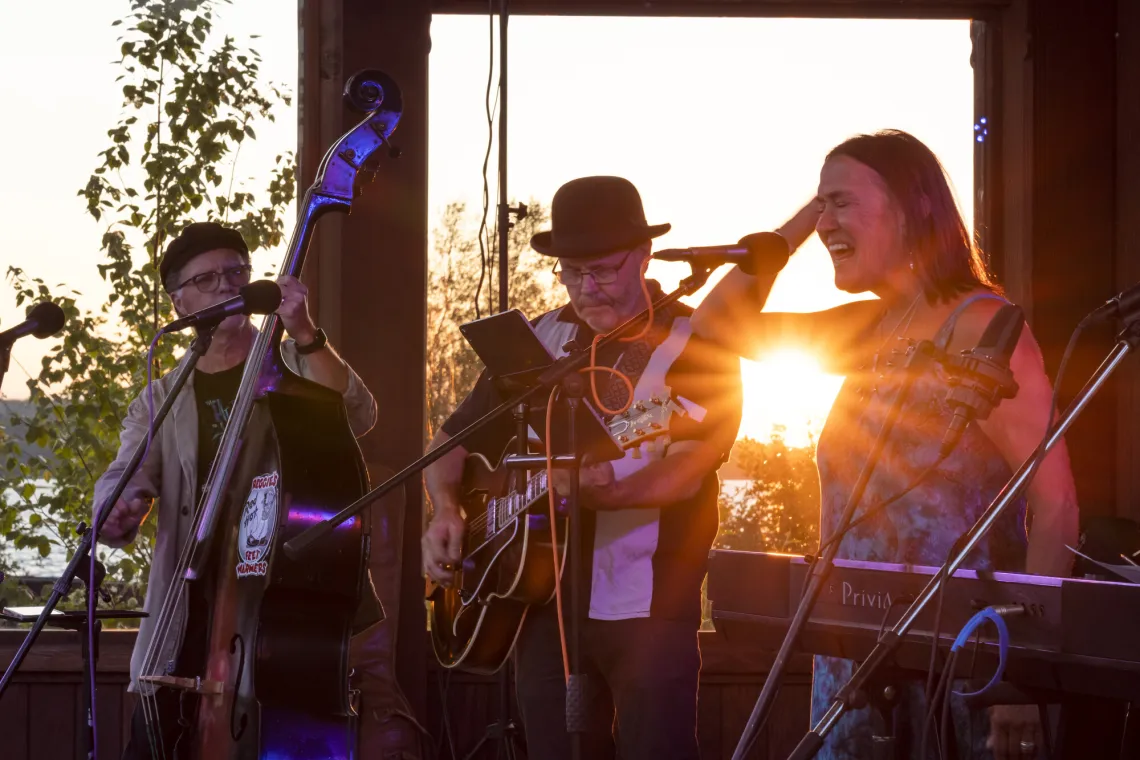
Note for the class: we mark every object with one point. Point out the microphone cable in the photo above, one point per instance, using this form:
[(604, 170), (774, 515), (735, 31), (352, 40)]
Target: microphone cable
[(591, 370)]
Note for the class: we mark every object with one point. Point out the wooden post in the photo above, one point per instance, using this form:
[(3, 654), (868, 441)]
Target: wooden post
[(1073, 196), (368, 275), (1128, 245)]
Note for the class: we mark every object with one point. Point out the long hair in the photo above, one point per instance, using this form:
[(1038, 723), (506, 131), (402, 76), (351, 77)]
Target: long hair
[(945, 258)]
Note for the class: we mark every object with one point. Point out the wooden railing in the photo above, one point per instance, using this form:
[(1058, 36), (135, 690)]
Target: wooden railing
[(41, 716)]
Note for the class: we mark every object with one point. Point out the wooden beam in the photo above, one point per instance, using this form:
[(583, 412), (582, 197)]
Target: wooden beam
[(58, 651), (369, 269), (928, 9), (1128, 246), (1073, 150)]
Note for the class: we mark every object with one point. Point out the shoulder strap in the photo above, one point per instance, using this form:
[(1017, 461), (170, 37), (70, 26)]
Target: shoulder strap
[(946, 331)]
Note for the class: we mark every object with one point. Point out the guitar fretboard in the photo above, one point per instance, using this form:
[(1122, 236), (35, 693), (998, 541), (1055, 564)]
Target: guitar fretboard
[(502, 510)]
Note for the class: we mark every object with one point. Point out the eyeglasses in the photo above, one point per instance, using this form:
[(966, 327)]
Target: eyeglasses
[(602, 275), (208, 282)]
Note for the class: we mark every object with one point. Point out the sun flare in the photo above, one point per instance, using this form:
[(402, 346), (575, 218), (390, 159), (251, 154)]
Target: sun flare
[(786, 388)]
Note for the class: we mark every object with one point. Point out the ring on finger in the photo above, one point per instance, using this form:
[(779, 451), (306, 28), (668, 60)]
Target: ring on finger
[(1027, 747)]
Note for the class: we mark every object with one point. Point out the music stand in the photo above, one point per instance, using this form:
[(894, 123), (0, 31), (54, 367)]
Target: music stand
[(561, 373), (516, 358), (76, 620)]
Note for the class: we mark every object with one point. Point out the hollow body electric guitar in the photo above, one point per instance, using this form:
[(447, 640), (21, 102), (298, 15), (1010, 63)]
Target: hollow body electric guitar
[(508, 562)]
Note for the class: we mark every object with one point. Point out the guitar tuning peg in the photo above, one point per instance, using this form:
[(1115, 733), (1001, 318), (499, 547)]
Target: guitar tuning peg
[(637, 452)]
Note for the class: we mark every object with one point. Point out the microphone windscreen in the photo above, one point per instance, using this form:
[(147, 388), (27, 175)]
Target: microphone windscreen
[(768, 253), (261, 297), (1002, 333), (49, 319)]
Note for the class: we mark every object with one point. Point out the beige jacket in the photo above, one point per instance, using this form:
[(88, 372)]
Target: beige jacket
[(170, 474)]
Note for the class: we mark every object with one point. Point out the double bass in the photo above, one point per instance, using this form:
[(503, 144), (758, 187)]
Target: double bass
[(275, 679)]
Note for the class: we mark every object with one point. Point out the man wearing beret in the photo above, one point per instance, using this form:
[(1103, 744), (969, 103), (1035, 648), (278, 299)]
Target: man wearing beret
[(206, 264), (647, 524)]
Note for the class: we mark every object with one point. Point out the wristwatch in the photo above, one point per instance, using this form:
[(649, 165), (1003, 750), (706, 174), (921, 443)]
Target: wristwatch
[(319, 342)]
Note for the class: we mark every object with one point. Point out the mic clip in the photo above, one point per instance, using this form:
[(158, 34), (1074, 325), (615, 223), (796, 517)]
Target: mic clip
[(977, 385)]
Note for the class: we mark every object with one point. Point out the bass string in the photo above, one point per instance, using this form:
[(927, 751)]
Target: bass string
[(173, 600), (174, 596), (171, 603), (151, 666)]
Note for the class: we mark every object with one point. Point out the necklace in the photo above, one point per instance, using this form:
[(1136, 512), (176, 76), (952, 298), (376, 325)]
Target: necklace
[(897, 333)]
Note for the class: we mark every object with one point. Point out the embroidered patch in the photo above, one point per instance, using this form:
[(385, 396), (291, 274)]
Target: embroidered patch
[(258, 522)]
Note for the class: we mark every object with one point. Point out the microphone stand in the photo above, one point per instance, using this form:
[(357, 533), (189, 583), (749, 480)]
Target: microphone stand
[(298, 546), (562, 372), (576, 708), (5, 356), (504, 731), (87, 544), (849, 695), (917, 359)]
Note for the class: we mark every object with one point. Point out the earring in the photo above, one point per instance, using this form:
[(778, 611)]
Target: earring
[(912, 261)]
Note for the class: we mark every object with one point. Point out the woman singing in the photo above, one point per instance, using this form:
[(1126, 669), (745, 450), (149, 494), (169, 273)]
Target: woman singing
[(886, 214)]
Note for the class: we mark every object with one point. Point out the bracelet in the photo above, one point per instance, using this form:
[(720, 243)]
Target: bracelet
[(319, 342)]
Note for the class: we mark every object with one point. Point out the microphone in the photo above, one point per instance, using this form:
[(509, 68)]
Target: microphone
[(1124, 305), (261, 297), (44, 320), (980, 378), (761, 253)]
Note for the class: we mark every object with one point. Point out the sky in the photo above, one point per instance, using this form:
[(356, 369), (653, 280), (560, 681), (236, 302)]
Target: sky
[(722, 125)]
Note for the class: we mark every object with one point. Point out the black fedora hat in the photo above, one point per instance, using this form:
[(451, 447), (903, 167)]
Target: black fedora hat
[(593, 216)]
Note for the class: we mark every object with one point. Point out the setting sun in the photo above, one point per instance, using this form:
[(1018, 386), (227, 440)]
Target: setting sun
[(787, 388)]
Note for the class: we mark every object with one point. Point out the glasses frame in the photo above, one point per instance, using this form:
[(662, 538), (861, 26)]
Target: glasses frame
[(241, 273), (594, 272)]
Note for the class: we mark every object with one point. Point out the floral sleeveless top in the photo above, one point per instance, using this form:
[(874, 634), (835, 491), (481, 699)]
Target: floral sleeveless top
[(919, 528)]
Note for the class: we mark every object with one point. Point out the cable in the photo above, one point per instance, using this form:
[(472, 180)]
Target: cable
[(591, 370), (444, 685), (486, 158), (874, 508), (594, 367), (931, 710), (933, 691), (554, 537), (1039, 452), (995, 615), (947, 718)]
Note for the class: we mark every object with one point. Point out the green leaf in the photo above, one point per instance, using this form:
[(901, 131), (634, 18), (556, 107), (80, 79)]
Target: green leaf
[(183, 134)]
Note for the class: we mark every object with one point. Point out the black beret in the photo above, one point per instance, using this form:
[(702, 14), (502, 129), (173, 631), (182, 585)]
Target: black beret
[(196, 239)]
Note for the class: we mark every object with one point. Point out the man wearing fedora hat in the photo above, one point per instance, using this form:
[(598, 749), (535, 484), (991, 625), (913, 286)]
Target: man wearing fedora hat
[(647, 524)]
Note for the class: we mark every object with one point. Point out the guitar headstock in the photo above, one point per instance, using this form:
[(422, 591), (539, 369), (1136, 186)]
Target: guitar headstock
[(646, 422)]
